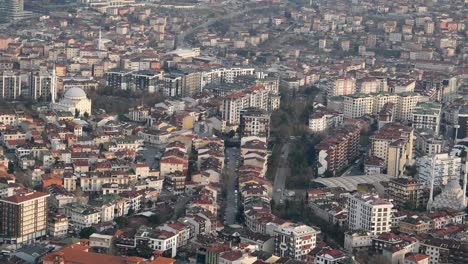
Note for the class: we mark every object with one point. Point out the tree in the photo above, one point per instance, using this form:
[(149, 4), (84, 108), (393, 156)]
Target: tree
[(77, 113), (150, 204), (121, 221), (87, 232), (86, 115), (155, 219), (11, 167), (131, 211)]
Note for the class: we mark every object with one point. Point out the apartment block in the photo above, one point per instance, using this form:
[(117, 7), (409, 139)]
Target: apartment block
[(441, 166), (393, 143), (10, 85), (407, 193), (255, 122), (427, 115), (357, 105), (43, 86), (341, 86), (23, 217), (339, 149), (369, 212), (294, 240), (323, 118)]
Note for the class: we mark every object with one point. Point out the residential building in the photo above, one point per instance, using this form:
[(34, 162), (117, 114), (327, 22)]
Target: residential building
[(255, 122), (43, 86), (323, 118), (233, 103), (416, 258), (159, 240), (57, 225), (23, 217), (81, 216), (426, 115), (294, 240), (393, 143), (10, 85), (119, 79), (341, 86), (100, 241), (444, 250), (329, 256), (441, 166), (407, 193), (338, 149), (369, 212), (406, 103), (357, 105)]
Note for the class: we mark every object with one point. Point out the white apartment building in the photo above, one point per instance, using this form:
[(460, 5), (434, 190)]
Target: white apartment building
[(427, 115), (443, 166), (81, 216), (322, 120), (10, 85), (233, 103), (224, 75), (357, 105), (369, 85), (342, 86), (160, 240), (381, 99), (294, 240), (43, 86), (369, 212)]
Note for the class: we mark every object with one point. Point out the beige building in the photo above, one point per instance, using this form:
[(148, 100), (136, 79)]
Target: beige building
[(357, 105), (342, 86), (406, 103), (57, 226), (23, 217), (393, 143)]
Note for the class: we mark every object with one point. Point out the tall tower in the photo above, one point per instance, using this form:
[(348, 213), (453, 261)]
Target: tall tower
[(11, 10)]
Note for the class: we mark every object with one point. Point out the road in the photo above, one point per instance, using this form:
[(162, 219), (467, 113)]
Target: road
[(230, 213), (281, 173)]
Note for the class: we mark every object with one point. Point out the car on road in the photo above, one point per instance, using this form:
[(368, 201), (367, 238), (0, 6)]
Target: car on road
[(279, 190)]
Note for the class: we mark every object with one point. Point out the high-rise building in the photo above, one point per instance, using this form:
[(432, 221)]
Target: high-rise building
[(11, 10), (369, 212), (406, 103), (23, 217), (294, 240), (43, 86), (10, 85)]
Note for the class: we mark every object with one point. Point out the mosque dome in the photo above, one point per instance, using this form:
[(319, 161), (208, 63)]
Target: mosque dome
[(75, 94)]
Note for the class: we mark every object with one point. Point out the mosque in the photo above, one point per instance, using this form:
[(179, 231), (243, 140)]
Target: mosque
[(74, 99)]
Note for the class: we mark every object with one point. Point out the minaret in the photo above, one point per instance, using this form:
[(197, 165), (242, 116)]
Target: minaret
[(465, 175), (431, 194)]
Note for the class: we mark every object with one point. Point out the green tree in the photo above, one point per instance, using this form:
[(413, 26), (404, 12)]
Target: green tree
[(11, 167), (131, 211), (77, 113), (155, 219), (150, 204), (121, 221), (86, 115), (87, 232)]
